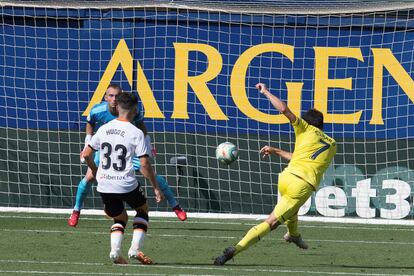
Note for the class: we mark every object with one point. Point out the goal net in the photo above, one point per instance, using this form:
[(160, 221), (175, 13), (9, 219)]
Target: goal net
[(194, 65)]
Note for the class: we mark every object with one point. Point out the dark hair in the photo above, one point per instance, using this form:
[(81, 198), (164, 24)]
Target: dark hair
[(126, 100), (115, 86), (314, 117)]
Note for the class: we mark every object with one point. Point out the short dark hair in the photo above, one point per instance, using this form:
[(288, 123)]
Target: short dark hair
[(126, 100), (115, 86), (314, 117)]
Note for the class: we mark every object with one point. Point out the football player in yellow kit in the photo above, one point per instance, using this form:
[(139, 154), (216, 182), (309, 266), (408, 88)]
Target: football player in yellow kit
[(314, 151)]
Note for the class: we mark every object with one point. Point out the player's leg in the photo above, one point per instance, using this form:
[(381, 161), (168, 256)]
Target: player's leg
[(167, 191), (292, 226), (272, 222), (169, 195), (84, 187), (114, 208), (295, 196), (293, 235), (82, 192), (255, 234), (136, 199), (140, 226)]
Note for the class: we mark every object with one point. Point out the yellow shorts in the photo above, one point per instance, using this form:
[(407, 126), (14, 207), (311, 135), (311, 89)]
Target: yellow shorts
[(294, 192)]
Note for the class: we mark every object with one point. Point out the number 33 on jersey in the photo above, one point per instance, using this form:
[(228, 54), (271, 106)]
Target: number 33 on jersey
[(118, 142)]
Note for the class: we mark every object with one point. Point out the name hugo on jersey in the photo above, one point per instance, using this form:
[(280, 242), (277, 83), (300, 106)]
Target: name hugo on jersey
[(114, 131)]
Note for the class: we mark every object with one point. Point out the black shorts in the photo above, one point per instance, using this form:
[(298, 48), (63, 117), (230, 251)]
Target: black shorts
[(114, 203)]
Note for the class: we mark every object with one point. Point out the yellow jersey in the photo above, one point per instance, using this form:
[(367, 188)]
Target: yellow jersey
[(314, 151)]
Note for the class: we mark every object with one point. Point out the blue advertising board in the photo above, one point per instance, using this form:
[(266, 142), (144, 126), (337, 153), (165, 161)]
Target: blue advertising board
[(358, 68)]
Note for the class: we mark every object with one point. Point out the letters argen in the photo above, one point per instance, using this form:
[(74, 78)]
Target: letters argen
[(383, 58)]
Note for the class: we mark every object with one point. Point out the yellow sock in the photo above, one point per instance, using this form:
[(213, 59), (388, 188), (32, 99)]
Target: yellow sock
[(253, 235), (292, 225)]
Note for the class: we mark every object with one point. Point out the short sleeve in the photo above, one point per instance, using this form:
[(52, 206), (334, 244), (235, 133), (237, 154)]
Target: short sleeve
[(141, 148), (91, 119), (94, 143)]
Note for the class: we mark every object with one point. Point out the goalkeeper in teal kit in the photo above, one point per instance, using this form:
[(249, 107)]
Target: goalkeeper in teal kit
[(103, 113)]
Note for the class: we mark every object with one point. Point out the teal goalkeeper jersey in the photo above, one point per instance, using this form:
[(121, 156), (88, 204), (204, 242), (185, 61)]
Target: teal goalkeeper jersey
[(101, 115)]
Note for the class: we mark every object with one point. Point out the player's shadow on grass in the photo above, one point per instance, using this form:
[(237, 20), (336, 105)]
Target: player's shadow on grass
[(211, 263), (205, 230), (201, 182)]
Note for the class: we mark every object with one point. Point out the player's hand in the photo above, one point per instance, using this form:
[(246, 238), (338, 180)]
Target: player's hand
[(261, 87), (266, 151), (159, 196)]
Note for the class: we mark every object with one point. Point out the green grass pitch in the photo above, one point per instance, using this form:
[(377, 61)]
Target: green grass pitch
[(39, 244)]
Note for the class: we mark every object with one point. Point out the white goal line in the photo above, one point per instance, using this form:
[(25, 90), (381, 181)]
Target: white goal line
[(215, 216)]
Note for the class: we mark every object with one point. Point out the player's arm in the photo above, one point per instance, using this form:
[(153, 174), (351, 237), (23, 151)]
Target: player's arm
[(267, 150), (88, 155), (148, 172), (148, 142), (277, 103), (89, 133)]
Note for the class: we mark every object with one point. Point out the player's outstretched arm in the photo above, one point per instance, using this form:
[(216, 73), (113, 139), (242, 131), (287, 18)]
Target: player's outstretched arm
[(276, 102), (268, 150), (148, 172)]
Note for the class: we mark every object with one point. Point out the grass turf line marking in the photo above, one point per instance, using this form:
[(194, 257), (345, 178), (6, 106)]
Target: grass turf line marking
[(203, 237), (158, 220), (213, 268), (31, 272)]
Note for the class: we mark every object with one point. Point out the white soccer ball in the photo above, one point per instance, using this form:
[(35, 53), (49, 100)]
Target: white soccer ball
[(226, 153)]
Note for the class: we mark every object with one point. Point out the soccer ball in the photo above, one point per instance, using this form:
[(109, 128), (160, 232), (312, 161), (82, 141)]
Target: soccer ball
[(226, 153)]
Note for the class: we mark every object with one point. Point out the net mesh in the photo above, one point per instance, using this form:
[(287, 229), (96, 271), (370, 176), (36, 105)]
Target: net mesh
[(55, 54), (250, 6)]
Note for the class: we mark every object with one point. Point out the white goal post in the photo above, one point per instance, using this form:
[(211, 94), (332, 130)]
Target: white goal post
[(194, 65)]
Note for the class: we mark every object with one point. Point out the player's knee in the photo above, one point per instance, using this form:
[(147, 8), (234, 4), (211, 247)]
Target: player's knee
[(118, 226), (273, 221), (142, 209), (141, 221)]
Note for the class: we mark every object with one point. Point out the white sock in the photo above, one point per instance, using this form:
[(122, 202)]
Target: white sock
[(117, 235), (137, 241)]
